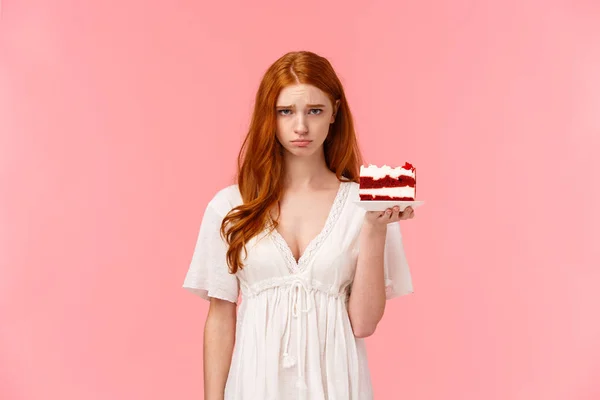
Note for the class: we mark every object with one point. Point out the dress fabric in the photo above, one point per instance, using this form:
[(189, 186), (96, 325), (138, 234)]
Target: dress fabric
[(293, 337)]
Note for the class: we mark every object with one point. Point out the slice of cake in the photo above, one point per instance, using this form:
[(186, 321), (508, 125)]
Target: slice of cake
[(387, 183)]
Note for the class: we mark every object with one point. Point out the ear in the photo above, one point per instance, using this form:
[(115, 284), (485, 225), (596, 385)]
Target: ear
[(335, 110)]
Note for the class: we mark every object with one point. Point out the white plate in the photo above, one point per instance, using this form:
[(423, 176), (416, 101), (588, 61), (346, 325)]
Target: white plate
[(382, 205)]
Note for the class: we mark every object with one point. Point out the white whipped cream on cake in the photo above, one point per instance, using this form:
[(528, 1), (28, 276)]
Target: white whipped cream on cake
[(376, 172)]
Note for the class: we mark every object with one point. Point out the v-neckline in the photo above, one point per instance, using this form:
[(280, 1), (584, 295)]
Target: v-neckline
[(296, 266)]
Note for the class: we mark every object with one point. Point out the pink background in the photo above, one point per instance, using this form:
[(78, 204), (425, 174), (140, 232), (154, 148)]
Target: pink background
[(120, 119)]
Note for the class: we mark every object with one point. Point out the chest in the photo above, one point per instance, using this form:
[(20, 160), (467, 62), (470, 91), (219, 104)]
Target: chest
[(302, 217)]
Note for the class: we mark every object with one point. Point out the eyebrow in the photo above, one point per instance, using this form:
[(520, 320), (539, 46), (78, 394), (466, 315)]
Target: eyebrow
[(308, 105)]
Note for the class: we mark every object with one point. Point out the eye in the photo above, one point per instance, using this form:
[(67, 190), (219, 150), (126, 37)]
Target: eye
[(285, 111)]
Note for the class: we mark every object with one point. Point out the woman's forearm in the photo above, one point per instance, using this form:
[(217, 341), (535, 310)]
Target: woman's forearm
[(367, 299), (219, 338)]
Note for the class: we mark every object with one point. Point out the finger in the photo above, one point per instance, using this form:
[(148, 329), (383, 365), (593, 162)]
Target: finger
[(388, 213), (406, 214), (411, 212), (377, 214), (401, 213), (374, 215)]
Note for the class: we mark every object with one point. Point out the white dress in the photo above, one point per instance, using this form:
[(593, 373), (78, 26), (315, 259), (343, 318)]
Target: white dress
[(293, 337)]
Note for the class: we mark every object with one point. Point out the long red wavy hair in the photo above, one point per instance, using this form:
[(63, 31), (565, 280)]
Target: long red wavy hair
[(260, 160)]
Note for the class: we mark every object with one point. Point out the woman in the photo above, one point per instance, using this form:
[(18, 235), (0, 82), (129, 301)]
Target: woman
[(313, 269)]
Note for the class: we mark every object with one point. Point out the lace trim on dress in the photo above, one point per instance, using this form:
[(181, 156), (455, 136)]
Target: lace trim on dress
[(313, 246)]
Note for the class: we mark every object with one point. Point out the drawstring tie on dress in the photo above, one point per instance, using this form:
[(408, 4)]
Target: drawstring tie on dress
[(296, 292)]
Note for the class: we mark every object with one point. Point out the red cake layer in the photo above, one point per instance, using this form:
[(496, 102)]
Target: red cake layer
[(385, 198), (368, 182)]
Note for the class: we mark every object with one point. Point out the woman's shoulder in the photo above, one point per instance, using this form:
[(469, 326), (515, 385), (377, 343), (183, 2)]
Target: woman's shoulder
[(353, 198), (353, 191), (225, 199), (353, 186)]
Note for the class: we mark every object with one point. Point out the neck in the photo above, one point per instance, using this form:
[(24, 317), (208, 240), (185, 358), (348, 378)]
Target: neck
[(306, 172)]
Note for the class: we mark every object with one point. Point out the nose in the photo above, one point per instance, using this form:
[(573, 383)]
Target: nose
[(300, 126)]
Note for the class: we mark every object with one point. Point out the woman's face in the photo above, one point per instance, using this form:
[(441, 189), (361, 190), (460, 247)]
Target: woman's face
[(304, 114)]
